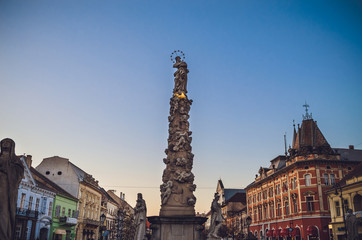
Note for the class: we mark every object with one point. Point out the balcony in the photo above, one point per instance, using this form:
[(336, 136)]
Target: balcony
[(91, 222), (68, 220), (26, 213)]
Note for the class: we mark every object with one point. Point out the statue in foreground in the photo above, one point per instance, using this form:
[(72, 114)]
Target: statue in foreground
[(216, 218), (11, 173), (140, 218)]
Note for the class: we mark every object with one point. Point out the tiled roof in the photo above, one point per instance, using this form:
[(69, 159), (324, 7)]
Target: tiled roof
[(229, 192)]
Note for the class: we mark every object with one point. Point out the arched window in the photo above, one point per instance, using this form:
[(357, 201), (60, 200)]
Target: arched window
[(357, 203), (308, 181)]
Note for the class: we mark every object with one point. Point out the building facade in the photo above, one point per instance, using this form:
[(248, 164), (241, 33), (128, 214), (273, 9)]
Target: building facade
[(80, 185), (64, 213), (287, 199), (34, 206), (346, 195)]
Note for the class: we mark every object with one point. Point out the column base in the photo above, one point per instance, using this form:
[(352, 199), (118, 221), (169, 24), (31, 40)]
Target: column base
[(176, 227)]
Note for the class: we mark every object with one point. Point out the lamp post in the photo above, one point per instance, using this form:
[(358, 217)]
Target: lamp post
[(337, 187), (248, 222), (120, 224), (102, 219)]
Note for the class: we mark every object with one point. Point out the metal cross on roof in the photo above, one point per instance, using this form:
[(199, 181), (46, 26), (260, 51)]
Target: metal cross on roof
[(307, 116)]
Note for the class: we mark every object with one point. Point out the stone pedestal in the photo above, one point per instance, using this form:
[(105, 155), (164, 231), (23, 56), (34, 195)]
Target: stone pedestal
[(176, 228), (213, 238)]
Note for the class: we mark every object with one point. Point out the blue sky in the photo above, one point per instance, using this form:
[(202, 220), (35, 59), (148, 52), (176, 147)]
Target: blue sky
[(91, 81)]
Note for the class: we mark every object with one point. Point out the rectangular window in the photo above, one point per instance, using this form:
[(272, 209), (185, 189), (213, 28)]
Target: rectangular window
[(285, 186), (265, 194), (308, 180), (73, 214), (260, 214), (43, 205), (265, 212), (57, 211), (346, 205), (286, 208), (37, 202), (272, 210), (293, 183), (310, 203), (279, 212), (255, 216), (338, 209), (326, 179), (295, 206), (50, 208), (271, 190), (69, 212), (30, 206), (333, 180), (277, 189), (22, 202), (63, 212)]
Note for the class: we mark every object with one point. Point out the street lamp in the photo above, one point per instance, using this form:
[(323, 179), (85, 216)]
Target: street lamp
[(120, 219), (336, 187), (102, 219), (248, 222)]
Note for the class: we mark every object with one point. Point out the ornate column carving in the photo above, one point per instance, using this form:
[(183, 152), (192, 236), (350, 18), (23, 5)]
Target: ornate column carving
[(177, 196)]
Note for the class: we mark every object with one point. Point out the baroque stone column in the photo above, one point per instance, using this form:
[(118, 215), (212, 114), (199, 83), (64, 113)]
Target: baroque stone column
[(177, 198), (177, 218)]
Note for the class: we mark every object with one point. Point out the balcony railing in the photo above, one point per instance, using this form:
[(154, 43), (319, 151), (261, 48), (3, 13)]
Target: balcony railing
[(91, 222), (27, 213)]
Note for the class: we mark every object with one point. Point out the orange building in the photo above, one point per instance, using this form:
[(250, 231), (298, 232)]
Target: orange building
[(287, 200)]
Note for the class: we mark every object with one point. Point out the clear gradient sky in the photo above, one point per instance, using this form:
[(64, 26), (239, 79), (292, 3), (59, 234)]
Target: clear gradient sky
[(91, 81)]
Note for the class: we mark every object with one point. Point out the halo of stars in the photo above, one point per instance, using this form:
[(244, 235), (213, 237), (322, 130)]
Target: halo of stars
[(176, 53)]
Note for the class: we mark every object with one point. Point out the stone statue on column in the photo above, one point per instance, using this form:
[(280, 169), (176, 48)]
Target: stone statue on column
[(140, 212), (216, 218), (11, 173)]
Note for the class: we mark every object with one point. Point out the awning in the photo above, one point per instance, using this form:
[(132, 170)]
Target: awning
[(60, 231), (312, 231), (269, 233), (284, 232), (295, 232), (276, 233)]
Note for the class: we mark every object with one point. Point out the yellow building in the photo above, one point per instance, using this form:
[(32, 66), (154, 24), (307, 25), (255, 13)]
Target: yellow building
[(350, 190)]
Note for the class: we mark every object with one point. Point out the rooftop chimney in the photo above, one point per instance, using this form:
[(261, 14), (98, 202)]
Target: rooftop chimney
[(28, 160), (351, 147)]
